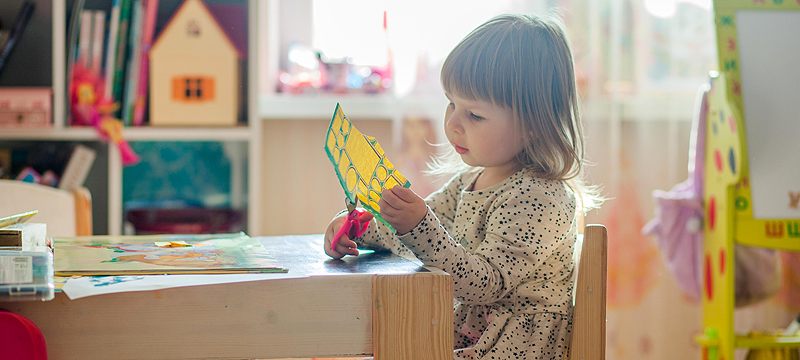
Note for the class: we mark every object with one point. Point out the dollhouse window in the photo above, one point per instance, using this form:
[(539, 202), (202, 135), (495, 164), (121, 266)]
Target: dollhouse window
[(193, 89)]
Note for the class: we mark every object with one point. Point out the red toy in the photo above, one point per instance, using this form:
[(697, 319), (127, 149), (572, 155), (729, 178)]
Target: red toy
[(20, 338)]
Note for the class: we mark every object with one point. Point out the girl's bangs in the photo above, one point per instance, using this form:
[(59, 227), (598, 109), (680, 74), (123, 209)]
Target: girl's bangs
[(476, 71)]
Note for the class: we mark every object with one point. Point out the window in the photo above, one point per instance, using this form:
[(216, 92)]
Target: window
[(641, 58), (193, 89), (414, 36)]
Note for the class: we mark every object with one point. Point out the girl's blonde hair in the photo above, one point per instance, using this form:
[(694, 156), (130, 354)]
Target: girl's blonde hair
[(524, 63)]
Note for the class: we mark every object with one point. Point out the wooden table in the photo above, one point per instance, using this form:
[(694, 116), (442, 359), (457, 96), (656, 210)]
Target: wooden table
[(377, 304)]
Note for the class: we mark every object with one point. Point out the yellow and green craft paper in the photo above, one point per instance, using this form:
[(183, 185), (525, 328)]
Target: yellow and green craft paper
[(360, 164)]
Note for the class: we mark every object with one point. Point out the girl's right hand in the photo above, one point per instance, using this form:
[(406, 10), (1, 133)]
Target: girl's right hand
[(345, 246)]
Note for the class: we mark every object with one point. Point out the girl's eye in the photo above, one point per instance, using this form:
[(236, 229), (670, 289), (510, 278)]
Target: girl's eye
[(475, 117)]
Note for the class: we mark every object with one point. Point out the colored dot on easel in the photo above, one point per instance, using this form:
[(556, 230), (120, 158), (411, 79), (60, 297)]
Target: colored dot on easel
[(709, 283), (718, 160), (732, 123), (712, 212), (732, 160), (722, 261), (741, 203), (714, 128)]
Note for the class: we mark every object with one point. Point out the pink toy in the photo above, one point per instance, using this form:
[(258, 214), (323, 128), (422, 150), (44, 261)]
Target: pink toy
[(89, 108)]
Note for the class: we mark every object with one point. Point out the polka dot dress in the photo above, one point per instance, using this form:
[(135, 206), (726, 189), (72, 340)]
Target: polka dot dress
[(509, 250)]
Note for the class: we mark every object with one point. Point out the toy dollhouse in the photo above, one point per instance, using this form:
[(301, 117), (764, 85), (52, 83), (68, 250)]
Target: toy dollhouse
[(194, 77)]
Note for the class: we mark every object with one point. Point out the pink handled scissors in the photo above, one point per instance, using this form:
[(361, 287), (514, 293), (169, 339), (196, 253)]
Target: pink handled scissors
[(355, 224)]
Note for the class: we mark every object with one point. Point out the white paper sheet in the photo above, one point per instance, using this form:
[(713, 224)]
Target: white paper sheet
[(769, 58), (76, 288)]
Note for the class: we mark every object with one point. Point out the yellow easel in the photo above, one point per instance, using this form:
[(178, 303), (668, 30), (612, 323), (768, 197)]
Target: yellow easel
[(727, 197)]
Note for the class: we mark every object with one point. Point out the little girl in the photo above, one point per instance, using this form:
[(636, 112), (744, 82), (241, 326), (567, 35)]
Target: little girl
[(504, 227)]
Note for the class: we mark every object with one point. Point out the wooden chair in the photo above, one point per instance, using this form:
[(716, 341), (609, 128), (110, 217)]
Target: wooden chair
[(66, 213), (589, 313)]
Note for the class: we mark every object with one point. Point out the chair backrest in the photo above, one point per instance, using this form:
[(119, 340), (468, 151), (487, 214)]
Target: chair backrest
[(66, 213), (589, 313)]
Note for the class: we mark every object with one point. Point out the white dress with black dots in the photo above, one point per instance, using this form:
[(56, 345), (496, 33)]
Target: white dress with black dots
[(509, 250)]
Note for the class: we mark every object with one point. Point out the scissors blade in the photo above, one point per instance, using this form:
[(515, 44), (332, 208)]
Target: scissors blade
[(351, 205)]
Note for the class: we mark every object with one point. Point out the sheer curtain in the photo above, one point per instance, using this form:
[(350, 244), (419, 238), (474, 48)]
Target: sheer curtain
[(637, 70), (639, 64)]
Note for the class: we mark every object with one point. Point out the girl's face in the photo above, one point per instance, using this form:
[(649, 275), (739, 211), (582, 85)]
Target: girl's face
[(483, 134)]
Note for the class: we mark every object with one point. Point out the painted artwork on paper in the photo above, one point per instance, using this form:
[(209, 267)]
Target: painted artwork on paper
[(142, 255), (360, 163), (102, 281)]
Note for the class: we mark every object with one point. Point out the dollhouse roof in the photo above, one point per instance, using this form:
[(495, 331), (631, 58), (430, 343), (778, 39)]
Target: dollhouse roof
[(228, 17)]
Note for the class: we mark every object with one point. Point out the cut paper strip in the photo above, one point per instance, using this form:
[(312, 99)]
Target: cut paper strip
[(360, 163), (171, 244)]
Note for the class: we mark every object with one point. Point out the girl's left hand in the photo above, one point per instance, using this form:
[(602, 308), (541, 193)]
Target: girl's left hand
[(402, 208)]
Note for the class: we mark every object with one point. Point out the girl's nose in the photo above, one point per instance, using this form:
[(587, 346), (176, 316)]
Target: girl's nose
[(453, 121)]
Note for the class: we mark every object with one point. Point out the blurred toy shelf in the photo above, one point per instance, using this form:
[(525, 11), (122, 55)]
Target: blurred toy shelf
[(241, 143)]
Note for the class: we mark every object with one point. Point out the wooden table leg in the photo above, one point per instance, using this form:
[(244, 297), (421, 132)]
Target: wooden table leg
[(412, 319)]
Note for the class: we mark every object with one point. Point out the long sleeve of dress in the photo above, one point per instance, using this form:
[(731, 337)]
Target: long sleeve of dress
[(442, 203), (523, 232)]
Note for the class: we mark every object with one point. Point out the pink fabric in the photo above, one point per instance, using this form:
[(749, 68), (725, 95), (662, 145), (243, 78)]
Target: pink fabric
[(678, 229), (678, 232), (678, 225)]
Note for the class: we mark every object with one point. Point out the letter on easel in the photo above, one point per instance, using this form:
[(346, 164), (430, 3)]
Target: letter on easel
[(793, 228), (774, 229), (794, 200)]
